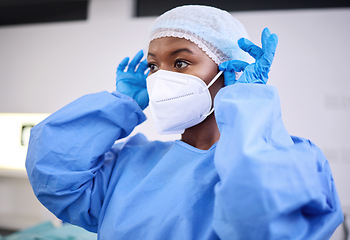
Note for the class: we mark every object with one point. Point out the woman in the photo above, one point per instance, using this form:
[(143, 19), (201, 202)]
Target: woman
[(235, 174)]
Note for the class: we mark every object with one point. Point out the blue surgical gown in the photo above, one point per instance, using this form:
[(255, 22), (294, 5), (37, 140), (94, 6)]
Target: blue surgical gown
[(256, 182)]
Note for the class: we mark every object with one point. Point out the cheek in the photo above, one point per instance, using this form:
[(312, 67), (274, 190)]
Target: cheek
[(207, 71)]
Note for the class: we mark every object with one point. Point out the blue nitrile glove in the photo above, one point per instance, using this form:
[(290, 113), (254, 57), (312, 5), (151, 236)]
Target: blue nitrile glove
[(256, 72), (132, 82)]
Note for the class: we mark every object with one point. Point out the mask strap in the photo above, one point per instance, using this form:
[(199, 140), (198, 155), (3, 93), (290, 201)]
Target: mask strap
[(211, 111), (214, 79), (211, 83)]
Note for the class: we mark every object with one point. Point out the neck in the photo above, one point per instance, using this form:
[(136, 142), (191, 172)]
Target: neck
[(203, 135)]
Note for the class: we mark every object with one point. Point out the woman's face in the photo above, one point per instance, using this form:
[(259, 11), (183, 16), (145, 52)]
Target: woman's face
[(181, 55)]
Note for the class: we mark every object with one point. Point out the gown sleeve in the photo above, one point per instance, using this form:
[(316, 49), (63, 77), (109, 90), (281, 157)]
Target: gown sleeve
[(272, 185), (69, 161)]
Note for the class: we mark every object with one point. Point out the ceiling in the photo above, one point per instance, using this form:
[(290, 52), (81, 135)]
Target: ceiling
[(14, 12)]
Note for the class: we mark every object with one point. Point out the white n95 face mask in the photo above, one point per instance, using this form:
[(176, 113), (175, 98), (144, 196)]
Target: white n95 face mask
[(178, 100)]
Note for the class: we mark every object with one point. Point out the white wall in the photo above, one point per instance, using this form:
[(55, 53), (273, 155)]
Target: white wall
[(45, 66)]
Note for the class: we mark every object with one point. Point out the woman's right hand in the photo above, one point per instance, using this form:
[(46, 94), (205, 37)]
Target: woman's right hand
[(132, 82)]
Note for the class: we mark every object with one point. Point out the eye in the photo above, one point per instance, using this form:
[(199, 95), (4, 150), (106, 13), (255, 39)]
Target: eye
[(181, 64), (152, 67)]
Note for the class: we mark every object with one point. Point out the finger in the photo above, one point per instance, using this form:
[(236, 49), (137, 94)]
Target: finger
[(135, 61), (271, 44), (142, 67), (229, 80), (266, 60), (264, 37), (269, 53), (239, 66), (224, 66), (233, 66), (249, 47), (122, 65)]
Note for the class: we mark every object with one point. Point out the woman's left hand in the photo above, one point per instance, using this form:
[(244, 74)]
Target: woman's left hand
[(255, 72)]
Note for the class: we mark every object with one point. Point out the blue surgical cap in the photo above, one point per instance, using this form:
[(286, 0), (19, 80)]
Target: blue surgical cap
[(213, 30)]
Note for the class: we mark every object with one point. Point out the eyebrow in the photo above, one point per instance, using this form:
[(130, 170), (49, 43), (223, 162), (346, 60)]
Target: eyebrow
[(174, 52), (151, 54), (181, 50)]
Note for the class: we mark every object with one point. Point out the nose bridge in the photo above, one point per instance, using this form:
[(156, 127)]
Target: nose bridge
[(166, 66)]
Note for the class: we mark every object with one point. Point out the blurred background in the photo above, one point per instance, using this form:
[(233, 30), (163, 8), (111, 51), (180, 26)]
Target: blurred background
[(54, 51)]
